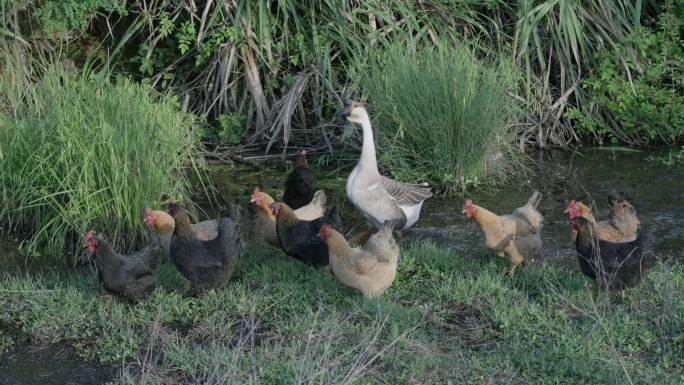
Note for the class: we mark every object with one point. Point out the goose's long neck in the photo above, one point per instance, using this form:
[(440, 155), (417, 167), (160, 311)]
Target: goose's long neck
[(368, 160)]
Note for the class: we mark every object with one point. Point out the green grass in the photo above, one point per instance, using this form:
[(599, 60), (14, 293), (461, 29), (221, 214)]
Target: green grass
[(444, 99), (85, 149), (446, 318)]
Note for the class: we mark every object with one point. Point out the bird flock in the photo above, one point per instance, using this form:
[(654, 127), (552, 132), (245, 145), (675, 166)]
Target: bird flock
[(614, 252)]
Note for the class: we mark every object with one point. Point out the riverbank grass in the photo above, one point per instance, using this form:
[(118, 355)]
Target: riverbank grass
[(441, 97), (446, 319), (86, 149)]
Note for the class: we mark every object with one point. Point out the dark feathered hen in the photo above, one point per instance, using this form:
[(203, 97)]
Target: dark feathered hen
[(300, 185), (614, 265), (206, 264), (128, 276), (299, 238)]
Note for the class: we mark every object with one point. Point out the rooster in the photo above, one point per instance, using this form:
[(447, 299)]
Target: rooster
[(614, 265), (370, 270), (516, 236), (299, 238), (128, 276), (300, 185), (621, 225), (207, 264)]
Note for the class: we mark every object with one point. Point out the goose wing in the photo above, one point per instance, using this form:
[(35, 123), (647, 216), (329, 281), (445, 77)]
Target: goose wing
[(406, 194)]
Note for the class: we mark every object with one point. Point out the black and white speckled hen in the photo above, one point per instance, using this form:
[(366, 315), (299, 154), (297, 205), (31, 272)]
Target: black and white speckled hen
[(613, 265), (206, 264), (300, 185), (128, 276)]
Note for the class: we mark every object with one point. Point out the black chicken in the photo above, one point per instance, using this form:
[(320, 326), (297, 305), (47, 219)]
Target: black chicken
[(300, 185), (299, 238), (127, 276), (614, 265), (206, 264)]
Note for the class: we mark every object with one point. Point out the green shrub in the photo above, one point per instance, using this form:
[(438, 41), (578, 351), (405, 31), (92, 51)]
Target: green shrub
[(640, 86), (439, 114), (82, 149), (65, 16)]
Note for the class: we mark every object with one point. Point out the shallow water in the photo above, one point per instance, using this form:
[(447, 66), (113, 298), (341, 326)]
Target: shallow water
[(654, 189)]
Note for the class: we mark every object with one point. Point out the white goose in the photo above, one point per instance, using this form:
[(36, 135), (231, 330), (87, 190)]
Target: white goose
[(379, 198)]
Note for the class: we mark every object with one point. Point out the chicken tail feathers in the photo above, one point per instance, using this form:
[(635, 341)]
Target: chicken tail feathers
[(614, 197), (535, 199), (335, 218), (319, 198), (646, 251)]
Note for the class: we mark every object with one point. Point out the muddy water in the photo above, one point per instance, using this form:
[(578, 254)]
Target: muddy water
[(51, 366), (655, 190)]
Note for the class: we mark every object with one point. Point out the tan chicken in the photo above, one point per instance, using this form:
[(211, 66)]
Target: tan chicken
[(622, 224), (267, 221), (371, 269), (164, 225), (516, 236)]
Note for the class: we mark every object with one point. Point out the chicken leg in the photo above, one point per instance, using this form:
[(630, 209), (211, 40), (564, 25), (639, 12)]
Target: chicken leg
[(515, 258)]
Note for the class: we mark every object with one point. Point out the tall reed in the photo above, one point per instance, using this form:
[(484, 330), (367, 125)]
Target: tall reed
[(440, 114), (83, 149)]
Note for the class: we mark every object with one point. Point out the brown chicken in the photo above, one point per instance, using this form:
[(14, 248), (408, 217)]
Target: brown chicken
[(267, 221), (613, 265), (370, 270), (622, 224), (516, 236), (164, 225)]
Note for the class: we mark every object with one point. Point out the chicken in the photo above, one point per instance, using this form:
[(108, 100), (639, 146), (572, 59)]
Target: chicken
[(163, 224), (207, 264), (299, 238), (300, 185), (370, 270), (267, 221), (128, 276), (516, 236), (614, 265), (621, 225)]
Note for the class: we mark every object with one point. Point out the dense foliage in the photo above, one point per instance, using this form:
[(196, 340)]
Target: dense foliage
[(80, 150), (640, 85), (278, 65), (440, 98)]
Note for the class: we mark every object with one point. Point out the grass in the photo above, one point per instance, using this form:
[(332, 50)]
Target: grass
[(80, 150), (445, 319), (444, 99)]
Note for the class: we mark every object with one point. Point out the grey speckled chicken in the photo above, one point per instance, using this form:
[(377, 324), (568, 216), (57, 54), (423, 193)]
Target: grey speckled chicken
[(128, 276), (206, 264)]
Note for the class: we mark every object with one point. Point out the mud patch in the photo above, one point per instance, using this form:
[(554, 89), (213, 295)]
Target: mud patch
[(51, 365), (467, 323)]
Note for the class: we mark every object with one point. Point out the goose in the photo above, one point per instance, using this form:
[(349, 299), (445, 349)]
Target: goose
[(378, 198)]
